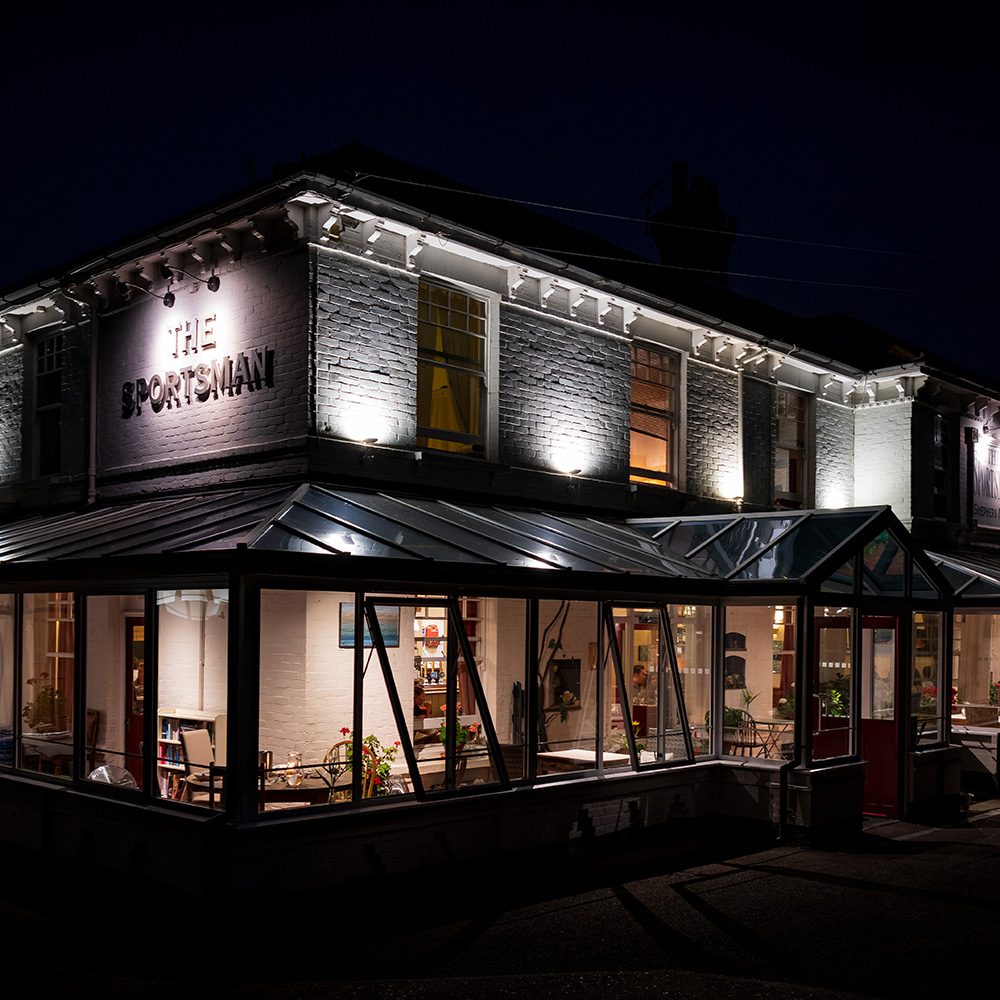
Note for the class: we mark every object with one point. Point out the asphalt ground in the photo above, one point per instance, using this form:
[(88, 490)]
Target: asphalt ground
[(900, 911)]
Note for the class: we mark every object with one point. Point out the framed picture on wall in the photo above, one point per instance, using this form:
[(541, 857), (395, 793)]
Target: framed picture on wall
[(388, 620)]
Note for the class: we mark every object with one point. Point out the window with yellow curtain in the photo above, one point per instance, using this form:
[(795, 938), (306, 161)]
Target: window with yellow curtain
[(451, 370)]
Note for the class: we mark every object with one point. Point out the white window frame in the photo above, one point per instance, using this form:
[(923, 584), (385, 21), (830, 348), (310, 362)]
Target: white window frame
[(491, 405)]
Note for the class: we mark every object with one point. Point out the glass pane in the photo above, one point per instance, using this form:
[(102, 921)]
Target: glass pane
[(831, 705), (884, 565), (976, 678), (878, 669), (982, 586), (496, 631), (567, 686), (688, 534), (692, 625), (841, 581), (815, 538), (47, 676), (650, 453), (928, 707), (956, 577), (449, 408), (307, 697), (192, 651), (922, 587), (740, 543), (6, 680), (116, 666), (449, 347), (432, 637), (759, 681), (653, 702)]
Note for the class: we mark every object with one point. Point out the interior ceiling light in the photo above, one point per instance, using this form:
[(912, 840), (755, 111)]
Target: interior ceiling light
[(213, 282)]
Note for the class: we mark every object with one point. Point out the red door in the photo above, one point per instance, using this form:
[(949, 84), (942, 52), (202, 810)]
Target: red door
[(880, 731)]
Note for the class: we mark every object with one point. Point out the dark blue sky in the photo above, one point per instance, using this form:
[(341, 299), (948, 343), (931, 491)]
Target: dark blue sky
[(835, 126)]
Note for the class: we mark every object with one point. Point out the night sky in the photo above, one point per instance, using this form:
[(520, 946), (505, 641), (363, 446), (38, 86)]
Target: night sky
[(846, 129)]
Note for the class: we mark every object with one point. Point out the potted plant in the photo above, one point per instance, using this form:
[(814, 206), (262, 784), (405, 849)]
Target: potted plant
[(46, 712)]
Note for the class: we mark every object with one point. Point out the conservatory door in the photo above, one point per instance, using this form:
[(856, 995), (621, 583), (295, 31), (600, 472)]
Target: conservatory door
[(880, 735)]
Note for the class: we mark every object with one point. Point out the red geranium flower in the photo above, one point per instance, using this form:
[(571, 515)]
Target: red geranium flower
[(344, 731)]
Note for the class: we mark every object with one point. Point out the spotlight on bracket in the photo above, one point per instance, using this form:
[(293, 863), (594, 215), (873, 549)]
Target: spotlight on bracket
[(213, 281), (168, 298)]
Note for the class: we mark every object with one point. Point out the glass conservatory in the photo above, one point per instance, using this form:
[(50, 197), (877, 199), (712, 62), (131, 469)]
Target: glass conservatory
[(234, 657)]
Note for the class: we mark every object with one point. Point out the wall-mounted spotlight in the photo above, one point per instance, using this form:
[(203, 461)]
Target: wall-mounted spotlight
[(168, 298), (213, 282)]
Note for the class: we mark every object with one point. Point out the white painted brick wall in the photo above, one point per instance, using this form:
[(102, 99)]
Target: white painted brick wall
[(262, 304), (834, 455), (564, 396), (882, 451), (713, 430), (366, 350), (179, 656), (11, 402), (307, 679)]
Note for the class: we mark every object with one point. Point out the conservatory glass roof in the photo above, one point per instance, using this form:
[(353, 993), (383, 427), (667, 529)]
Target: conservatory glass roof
[(788, 546)]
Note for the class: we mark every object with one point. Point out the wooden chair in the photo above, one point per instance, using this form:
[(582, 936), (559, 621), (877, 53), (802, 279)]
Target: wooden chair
[(199, 761), (336, 757), (745, 741)]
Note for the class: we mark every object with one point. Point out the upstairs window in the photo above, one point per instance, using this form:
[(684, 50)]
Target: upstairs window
[(653, 425), (790, 451), (48, 404), (452, 355)]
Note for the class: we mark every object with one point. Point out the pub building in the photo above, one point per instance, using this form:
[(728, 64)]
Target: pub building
[(318, 477)]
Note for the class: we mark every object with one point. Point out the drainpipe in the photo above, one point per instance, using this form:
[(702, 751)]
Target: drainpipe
[(92, 458), (971, 437)]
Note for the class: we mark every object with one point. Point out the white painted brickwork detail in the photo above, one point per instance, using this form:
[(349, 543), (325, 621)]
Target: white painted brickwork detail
[(564, 396), (882, 450), (713, 420), (11, 402), (366, 351), (834, 455)]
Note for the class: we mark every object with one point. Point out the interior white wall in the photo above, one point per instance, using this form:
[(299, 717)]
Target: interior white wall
[(106, 666), (307, 680), (502, 660), (179, 650), (756, 624), (578, 634)]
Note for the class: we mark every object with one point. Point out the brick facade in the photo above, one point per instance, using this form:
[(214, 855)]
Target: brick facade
[(882, 456), (366, 350), (262, 306), (834, 455), (11, 402), (564, 395), (713, 431)]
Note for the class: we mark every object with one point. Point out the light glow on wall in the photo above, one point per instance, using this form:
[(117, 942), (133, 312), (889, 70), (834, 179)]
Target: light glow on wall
[(363, 422), (730, 485), (569, 457)]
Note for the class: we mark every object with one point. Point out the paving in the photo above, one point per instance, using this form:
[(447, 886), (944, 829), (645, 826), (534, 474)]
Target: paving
[(902, 910)]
